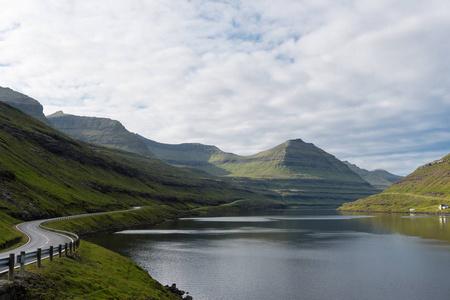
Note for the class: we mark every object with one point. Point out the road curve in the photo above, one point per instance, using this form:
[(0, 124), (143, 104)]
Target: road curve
[(41, 238)]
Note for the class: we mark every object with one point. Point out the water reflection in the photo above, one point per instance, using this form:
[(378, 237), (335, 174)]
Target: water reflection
[(424, 226), (295, 254)]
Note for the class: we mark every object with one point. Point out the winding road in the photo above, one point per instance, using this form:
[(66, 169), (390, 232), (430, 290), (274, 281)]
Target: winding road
[(41, 238)]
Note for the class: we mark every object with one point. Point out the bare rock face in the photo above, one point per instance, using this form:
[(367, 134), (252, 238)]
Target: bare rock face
[(26, 104)]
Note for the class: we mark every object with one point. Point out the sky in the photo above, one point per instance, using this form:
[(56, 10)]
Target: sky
[(368, 81)]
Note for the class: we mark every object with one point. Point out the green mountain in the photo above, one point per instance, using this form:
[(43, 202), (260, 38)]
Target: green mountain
[(423, 190), (24, 103), (101, 131), (380, 179), (44, 173), (299, 172), (292, 159)]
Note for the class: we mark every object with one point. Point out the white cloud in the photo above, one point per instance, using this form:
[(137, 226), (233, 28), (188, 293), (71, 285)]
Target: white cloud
[(361, 79)]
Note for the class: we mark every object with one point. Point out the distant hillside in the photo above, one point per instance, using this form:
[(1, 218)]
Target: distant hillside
[(190, 155), (300, 172), (423, 190), (101, 131), (24, 103), (380, 179)]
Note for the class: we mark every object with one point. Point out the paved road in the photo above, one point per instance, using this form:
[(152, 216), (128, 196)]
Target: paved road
[(41, 238)]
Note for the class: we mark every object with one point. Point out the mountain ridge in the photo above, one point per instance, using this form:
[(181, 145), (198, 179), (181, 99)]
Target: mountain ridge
[(297, 171), (380, 179), (103, 131), (288, 163)]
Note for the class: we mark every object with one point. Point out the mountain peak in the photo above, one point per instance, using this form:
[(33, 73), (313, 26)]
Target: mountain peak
[(59, 113), (297, 141)]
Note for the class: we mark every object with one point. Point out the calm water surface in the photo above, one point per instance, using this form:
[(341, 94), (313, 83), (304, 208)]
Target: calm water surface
[(296, 254)]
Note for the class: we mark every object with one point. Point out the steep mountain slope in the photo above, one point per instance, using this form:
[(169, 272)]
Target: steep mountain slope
[(102, 131), (24, 103), (294, 158), (423, 190), (45, 173), (380, 179)]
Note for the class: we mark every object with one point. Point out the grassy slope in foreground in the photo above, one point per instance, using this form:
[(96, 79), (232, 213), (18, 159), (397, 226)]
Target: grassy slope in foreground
[(93, 273), (423, 190)]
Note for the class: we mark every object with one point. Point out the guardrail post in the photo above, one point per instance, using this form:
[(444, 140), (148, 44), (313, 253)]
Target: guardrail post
[(22, 264), (11, 267), (39, 256), (71, 248), (51, 253), (60, 250), (65, 249)]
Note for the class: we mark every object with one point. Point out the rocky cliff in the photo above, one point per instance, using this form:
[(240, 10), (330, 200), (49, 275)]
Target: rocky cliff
[(26, 104), (101, 131)]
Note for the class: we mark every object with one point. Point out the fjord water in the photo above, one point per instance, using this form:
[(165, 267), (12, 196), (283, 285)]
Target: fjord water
[(296, 254)]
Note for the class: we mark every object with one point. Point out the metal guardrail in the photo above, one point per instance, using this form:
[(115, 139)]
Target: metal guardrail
[(19, 261), (40, 254), (4, 262)]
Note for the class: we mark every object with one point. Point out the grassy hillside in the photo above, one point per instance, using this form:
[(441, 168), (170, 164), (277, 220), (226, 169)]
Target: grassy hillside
[(298, 172), (294, 158), (44, 173), (422, 190), (93, 273)]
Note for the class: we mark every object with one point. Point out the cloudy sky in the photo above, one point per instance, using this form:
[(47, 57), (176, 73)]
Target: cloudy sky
[(366, 80)]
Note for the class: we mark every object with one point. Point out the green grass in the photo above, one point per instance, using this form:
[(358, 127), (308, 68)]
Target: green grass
[(117, 221), (423, 190), (9, 234), (93, 273), (393, 202), (44, 173)]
